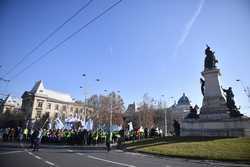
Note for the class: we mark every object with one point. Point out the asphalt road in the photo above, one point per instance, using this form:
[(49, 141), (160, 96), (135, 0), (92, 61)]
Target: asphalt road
[(60, 156)]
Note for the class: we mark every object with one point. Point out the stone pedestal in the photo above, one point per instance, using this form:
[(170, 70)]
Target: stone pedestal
[(214, 105), (233, 127), (214, 118)]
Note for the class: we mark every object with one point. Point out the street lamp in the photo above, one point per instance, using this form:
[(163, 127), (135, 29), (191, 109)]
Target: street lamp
[(84, 106), (111, 111), (98, 107), (110, 119), (85, 94), (165, 115)]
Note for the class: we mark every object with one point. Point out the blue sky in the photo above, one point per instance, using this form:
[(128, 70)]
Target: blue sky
[(157, 46)]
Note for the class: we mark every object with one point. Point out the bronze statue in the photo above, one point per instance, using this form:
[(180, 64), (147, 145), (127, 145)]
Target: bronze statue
[(230, 98), (210, 60), (234, 111), (193, 113), (202, 86)]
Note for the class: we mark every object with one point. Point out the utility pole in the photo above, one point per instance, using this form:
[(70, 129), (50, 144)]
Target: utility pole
[(98, 107), (165, 117), (109, 101), (110, 118), (111, 114), (84, 92)]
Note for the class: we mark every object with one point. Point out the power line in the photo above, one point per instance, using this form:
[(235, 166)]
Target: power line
[(48, 37), (67, 38), (4, 80)]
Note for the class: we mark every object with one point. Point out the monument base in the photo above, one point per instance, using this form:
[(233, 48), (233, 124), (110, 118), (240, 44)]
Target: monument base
[(232, 127), (218, 115)]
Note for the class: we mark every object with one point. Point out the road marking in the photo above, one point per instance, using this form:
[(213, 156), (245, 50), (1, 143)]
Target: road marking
[(37, 157), (10, 152), (70, 150), (119, 151), (50, 163), (40, 158), (30, 153), (138, 154), (79, 153), (113, 162)]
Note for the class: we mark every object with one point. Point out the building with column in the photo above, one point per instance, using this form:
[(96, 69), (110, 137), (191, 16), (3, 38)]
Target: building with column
[(40, 101)]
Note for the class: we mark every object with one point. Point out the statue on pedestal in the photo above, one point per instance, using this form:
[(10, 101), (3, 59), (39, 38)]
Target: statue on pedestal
[(210, 60), (202, 81), (234, 112), (193, 113), (230, 98)]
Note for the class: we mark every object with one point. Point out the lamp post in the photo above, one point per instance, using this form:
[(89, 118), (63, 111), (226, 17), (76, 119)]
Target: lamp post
[(98, 106), (84, 110), (85, 94), (111, 111), (110, 102), (165, 115)]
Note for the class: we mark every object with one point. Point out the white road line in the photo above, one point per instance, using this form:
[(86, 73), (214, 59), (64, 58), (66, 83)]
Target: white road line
[(113, 162), (40, 158), (37, 157), (30, 153), (50, 163), (119, 151), (70, 150), (79, 153), (137, 154), (10, 152)]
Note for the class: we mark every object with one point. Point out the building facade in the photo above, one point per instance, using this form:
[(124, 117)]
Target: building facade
[(10, 104), (40, 101), (179, 111)]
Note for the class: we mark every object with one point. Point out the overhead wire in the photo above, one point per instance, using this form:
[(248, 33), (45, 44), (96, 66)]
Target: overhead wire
[(48, 37), (67, 38)]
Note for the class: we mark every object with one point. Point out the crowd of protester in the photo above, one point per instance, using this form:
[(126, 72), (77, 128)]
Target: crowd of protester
[(11, 134), (53, 136), (73, 137)]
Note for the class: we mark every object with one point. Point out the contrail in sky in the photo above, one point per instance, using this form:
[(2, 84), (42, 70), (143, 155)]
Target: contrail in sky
[(188, 27)]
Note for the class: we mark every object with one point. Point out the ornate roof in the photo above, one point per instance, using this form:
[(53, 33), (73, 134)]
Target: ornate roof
[(183, 100), (39, 89)]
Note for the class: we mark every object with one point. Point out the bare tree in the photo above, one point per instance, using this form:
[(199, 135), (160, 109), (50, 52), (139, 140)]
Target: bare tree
[(102, 105)]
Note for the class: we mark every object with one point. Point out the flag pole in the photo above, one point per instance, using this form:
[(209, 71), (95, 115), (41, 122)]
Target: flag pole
[(44, 123)]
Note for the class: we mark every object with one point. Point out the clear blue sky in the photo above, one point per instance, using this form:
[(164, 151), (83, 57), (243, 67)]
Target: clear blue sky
[(157, 46)]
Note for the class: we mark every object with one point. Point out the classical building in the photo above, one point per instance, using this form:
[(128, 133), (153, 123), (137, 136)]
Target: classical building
[(178, 111), (10, 104), (40, 101)]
